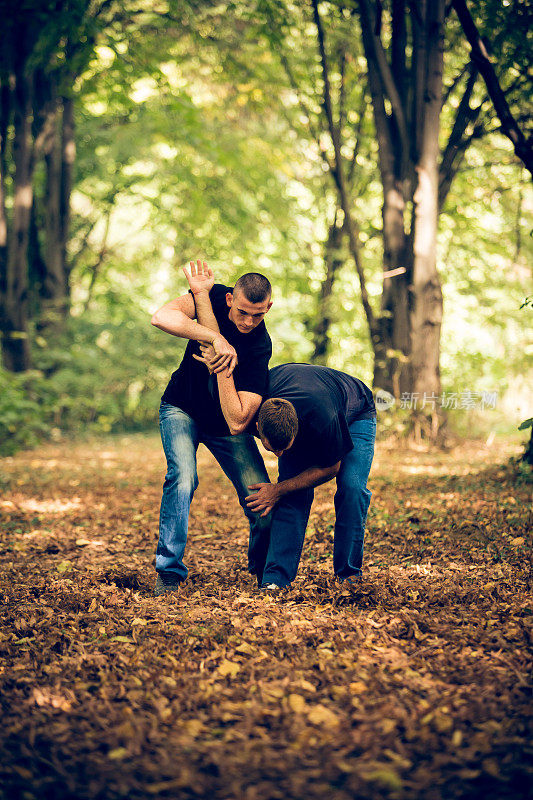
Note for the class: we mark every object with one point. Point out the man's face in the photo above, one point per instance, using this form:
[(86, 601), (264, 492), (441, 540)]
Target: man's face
[(245, 315), (277, 453)]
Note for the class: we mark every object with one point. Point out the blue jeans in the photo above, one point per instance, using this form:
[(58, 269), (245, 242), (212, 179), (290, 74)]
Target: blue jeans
[(241, 461), (352, 499)]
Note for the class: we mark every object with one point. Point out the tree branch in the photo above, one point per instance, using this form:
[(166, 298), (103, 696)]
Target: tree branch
[(338, 174), (523, 147), (385, 74), (464, 116), (455, 83)]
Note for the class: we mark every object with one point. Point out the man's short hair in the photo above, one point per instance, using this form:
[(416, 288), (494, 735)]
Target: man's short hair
[(277, 422), (254, 286)]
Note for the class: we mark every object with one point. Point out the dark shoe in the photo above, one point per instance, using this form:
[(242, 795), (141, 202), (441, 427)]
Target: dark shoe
[(166, 582)]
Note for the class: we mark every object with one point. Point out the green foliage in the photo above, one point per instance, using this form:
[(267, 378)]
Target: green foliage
[(192, 141), (104, 375), (22, 421)]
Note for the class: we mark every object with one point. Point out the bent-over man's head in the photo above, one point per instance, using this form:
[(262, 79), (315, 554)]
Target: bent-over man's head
[(277, 424), (250, 301)]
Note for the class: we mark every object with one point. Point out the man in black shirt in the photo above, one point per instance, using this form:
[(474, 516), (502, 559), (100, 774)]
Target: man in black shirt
[(320, 423), (231, 321)]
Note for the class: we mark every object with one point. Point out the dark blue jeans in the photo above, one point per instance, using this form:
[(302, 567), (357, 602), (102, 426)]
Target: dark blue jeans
[(352, 499), (242, 463)]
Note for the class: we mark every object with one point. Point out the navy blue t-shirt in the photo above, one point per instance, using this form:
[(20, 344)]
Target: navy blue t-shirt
[(327, 401), (192, 389)]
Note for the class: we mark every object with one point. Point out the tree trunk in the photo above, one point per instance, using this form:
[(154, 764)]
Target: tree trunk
[(55, 140), (68, 157), (53, 290), (36, 265), (333, 261), (5, 102), (15, 343), (337, 171), (392, 346), (426, 294), (390, 371), (407, 352)]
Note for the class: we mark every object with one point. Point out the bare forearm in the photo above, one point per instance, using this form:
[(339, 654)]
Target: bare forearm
[(204, 311), (307, 479), (230, 403), (268, 494), (177, 323)]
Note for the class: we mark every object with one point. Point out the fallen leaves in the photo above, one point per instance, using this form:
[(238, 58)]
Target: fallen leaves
[(412, 684), (228, 668), (322, 716)]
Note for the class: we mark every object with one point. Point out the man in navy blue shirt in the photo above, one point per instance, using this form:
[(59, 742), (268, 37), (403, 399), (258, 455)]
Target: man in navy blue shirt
[(321, 424), (215, 409)]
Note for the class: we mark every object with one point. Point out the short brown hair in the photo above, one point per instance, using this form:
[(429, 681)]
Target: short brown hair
[(277, 422), (256, 287)]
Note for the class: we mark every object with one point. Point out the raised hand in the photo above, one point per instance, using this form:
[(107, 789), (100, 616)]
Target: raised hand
[(201, 278)]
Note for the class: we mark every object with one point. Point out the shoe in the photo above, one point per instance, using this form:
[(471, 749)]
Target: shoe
[(165, 583), (270, 587)]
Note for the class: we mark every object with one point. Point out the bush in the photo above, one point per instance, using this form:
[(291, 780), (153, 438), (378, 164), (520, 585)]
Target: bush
[(22, 418), (96, 375)]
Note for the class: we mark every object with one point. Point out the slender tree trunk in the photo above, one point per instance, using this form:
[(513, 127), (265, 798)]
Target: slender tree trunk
[(337, 170), (68, 157), (15, 343), (333, 261), (53, 290), (36, 265), (426, 298), (58, 148), (392, 346), (4, 121), (390, 371)]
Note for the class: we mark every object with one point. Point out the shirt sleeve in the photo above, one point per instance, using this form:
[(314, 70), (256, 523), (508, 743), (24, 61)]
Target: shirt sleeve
[(251, 373)]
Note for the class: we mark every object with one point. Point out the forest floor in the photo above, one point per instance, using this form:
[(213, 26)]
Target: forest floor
[(414, 684)]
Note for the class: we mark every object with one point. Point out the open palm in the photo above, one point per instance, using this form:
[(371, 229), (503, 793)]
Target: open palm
[(201, 278)]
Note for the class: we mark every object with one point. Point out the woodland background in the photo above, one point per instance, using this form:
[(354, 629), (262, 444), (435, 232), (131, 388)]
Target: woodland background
[(282, 137), (374, 160)]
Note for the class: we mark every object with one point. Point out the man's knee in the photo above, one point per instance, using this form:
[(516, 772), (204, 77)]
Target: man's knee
[(182, 480), (352, 492), (262, 523)]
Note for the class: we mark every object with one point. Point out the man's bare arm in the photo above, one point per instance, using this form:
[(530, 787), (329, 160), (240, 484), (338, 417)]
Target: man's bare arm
[(178, 319), (201, 280), (238, 408), (268, 494)]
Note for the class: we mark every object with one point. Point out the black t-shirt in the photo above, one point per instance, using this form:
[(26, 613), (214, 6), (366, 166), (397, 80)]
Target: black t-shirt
[(192, 389), (326, 402)]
